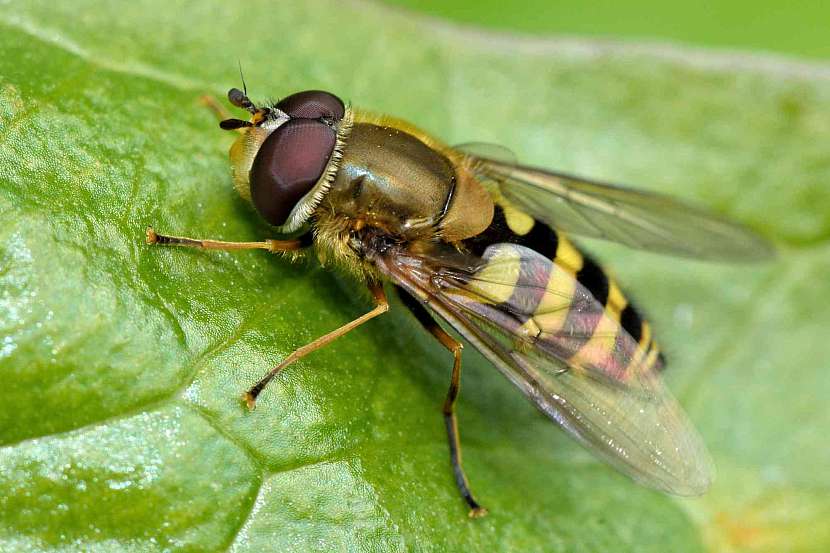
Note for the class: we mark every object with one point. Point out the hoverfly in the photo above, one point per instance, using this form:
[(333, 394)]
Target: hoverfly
[(479, 242)]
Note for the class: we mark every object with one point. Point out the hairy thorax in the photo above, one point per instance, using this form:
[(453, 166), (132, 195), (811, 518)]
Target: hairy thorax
[(395, 186)]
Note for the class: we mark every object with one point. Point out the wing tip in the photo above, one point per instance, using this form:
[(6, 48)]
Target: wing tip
[(756, 250), (696, 476), (695, 485)]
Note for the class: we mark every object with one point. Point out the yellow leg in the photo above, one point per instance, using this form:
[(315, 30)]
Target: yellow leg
[(273, 246), (381, 306)]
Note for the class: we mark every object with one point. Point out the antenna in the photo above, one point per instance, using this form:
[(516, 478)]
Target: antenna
[(239, 98), (241, 76)]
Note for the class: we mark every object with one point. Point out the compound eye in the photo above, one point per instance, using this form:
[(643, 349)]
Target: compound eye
[(313, 104), (288, 165)]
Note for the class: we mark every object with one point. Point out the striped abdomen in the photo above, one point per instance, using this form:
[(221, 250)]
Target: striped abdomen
[(571, 308)]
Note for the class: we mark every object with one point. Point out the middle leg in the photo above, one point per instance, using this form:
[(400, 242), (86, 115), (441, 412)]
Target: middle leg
[(381, 307)]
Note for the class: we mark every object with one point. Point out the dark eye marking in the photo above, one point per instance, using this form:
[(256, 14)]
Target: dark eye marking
[(313, 104), (288, 165)]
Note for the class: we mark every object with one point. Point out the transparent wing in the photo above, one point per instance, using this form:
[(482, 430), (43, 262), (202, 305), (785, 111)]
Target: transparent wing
[(635, 218), (602, 392)]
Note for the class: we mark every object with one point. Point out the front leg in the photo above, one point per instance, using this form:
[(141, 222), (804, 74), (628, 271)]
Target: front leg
[(273, 246)]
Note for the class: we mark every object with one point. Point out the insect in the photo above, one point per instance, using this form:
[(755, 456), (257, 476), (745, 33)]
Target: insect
[(480, 243)]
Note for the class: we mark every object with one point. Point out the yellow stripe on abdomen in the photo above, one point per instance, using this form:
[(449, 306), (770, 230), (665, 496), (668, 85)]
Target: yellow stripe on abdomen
[(496, 281), (567, 256)]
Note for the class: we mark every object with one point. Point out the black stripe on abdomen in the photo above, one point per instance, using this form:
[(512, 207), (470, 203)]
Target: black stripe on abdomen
[(541, 238), (631, 322), (592, 277)]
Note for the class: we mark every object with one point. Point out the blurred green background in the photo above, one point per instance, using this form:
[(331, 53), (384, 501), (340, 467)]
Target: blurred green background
[(797, 28)]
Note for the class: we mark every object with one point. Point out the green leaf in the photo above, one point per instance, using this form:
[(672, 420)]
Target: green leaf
[(122, 365)]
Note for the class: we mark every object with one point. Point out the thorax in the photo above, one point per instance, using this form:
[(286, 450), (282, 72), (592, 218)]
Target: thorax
[(390, 179), (396, 182)]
